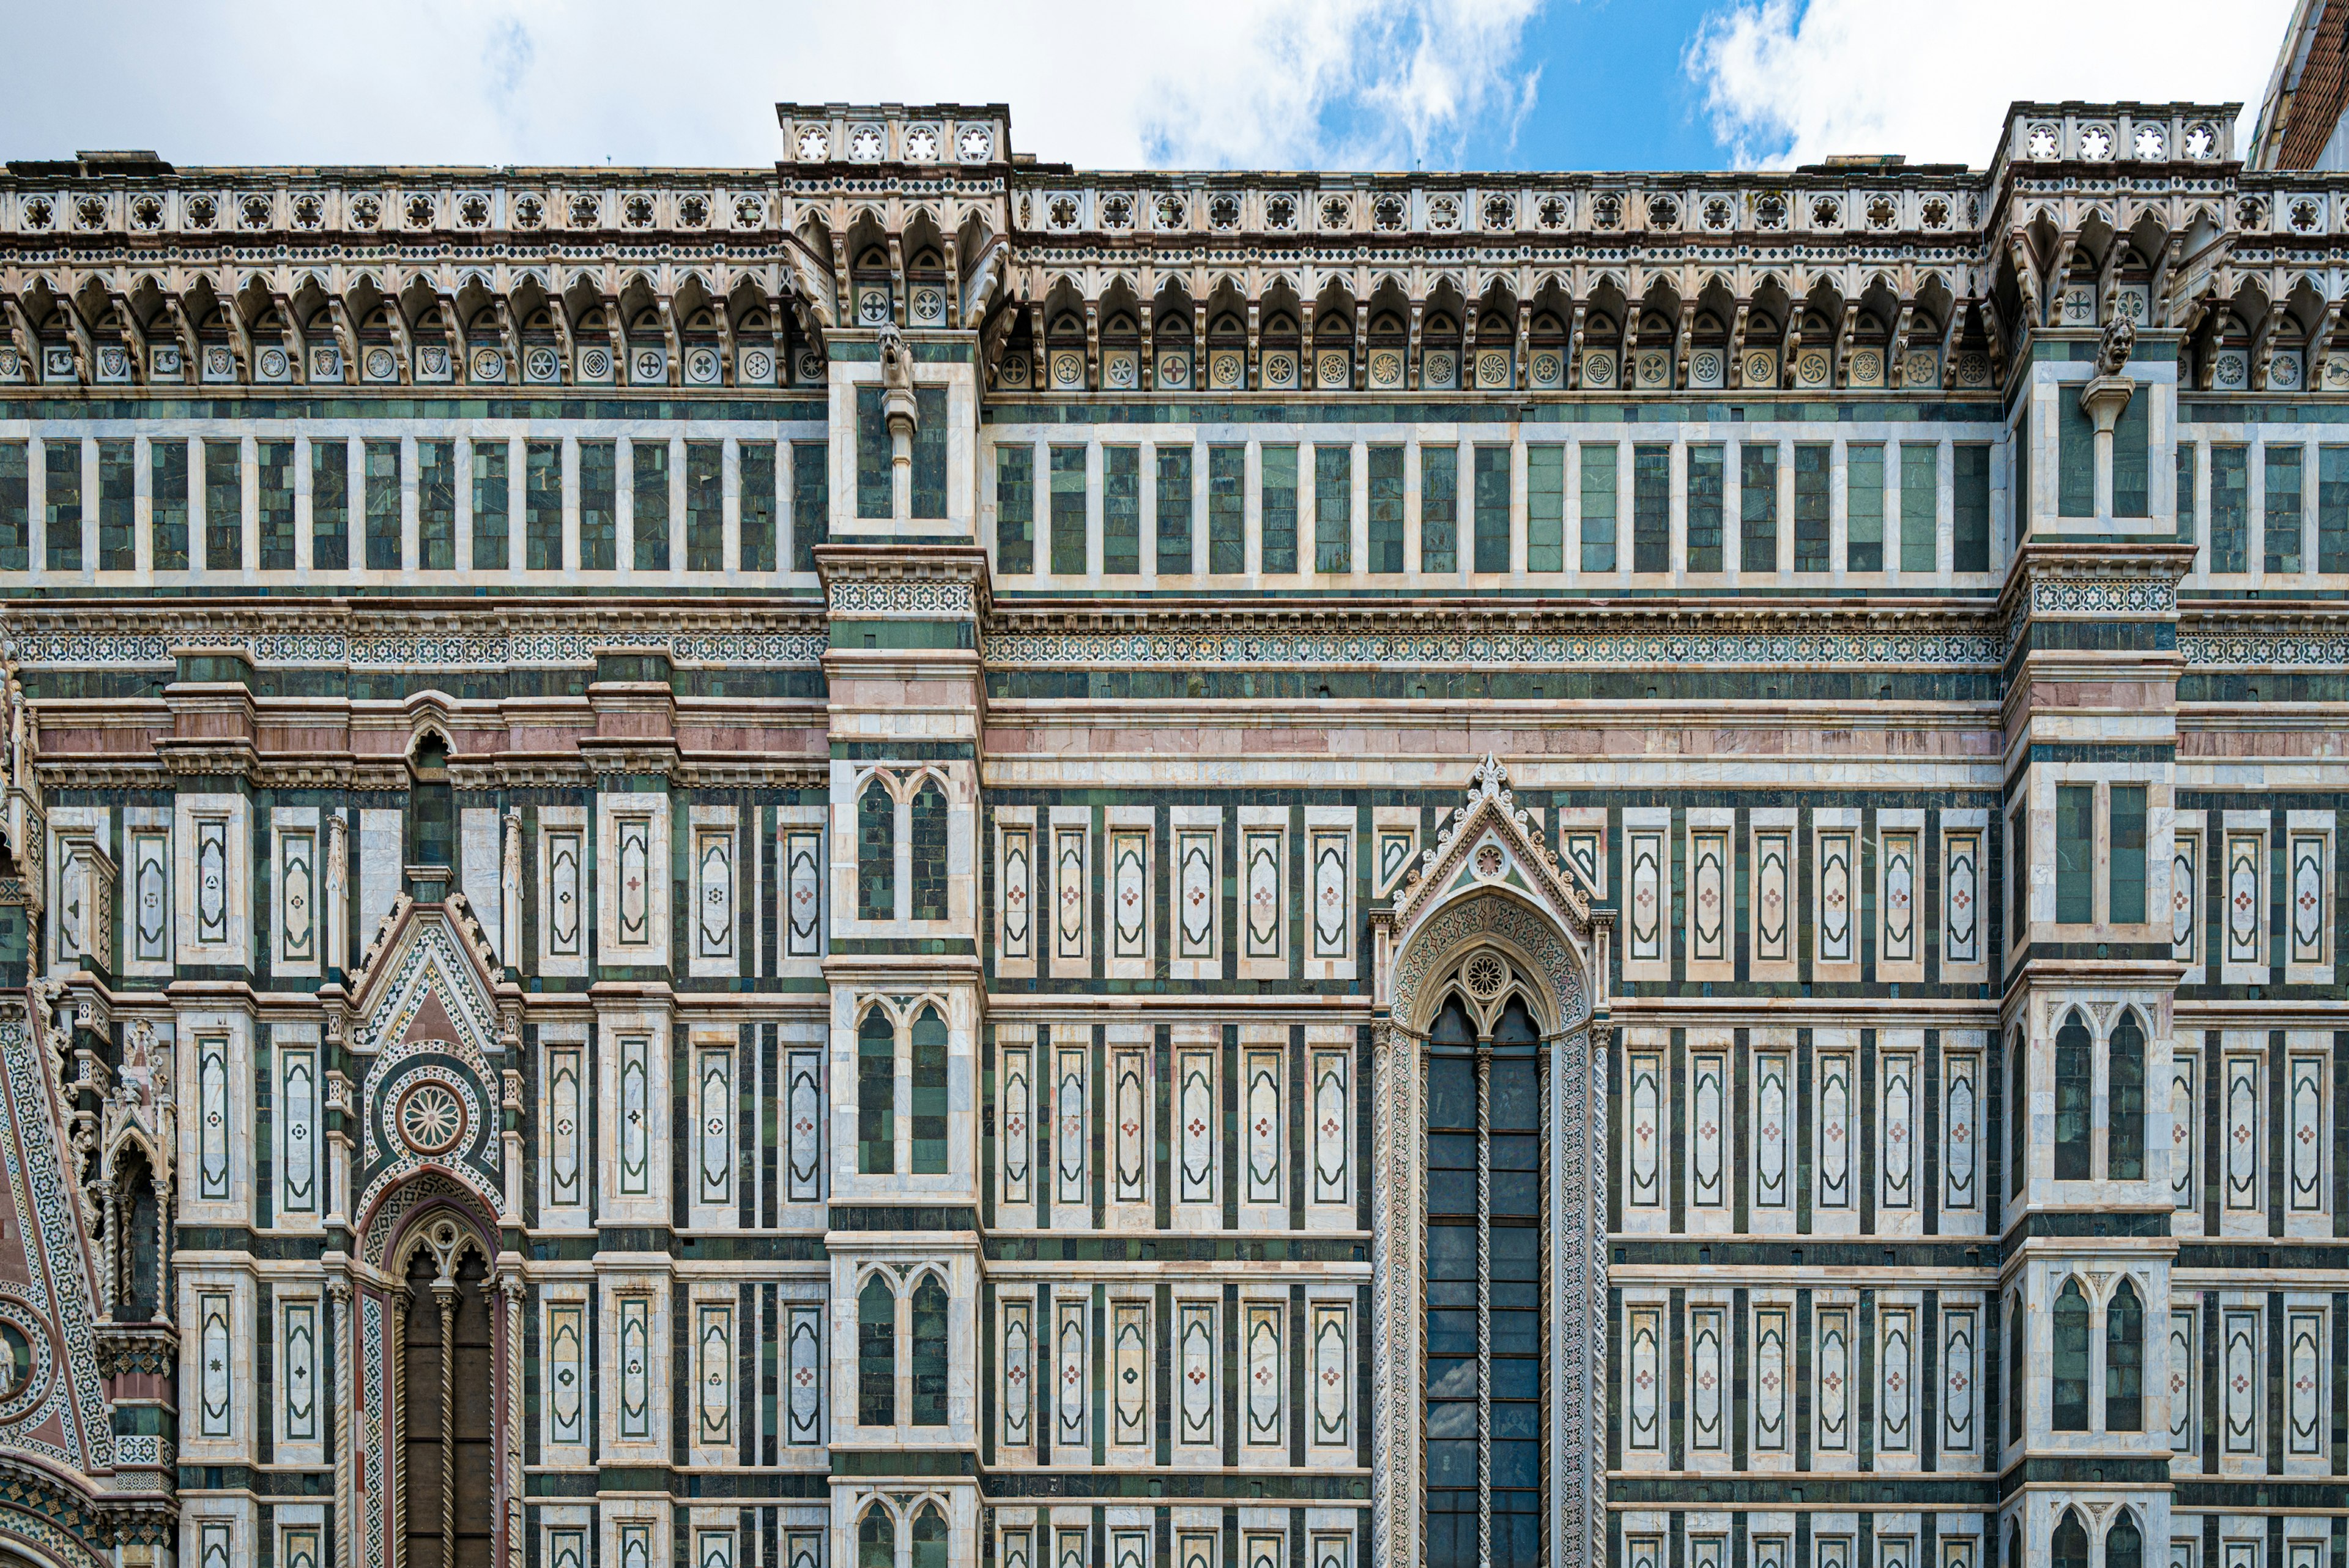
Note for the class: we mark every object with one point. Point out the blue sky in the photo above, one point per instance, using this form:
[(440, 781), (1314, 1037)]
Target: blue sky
[(1560, 84)]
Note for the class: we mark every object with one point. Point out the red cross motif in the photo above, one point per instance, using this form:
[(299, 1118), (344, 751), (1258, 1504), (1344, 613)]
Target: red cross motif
[(1330, 1126), (1071, 1374), (1015, 1376), (1832, 1383), (1646, 1380), (1197, 1376), (1961, 1133), (1195, 1128), (1894, 1382), (1958, 1383)]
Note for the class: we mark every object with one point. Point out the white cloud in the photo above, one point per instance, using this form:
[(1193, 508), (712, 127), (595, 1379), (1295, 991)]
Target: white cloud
[(1786, 85), (1217, 82)]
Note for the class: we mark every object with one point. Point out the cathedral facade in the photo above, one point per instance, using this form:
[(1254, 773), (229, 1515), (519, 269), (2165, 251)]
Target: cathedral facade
[(921, 859)]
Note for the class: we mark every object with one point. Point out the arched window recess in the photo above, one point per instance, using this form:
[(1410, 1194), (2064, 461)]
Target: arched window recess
[(1487, 1394)]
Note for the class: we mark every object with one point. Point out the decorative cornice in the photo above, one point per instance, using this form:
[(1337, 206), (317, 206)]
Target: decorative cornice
[(925, 582), (348, 636), (1494, 634)]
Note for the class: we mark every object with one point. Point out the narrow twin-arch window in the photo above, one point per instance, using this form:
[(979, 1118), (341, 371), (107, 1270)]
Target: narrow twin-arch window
[(2124, 1359), (877, 1354), (876, 1538), (876, 1093), (2075, 855), (2124, 1106), (2124, 1546), (876, 852)]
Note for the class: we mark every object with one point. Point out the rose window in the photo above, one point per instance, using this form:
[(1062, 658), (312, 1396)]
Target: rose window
[(430, 1117)]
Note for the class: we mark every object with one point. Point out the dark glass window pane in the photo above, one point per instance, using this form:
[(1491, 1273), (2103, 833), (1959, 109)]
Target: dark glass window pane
[(224, 500), (1278, 491), (1651, 508), (61, 511), (1920, 484), (117, 534), (2124, 898), (930, 1540), (875, 487), (2071, 1545), (385, 546), (1757, 508), (1545, 509), (1068, 511), (2188, 503), (1598, 506), (1492, 508), (2281, 534), (2072, 1083), (2076, 811), (1515, 1099), (2133, 458), (2016, 1374), (1811, 483), (930, 452), (2331, 505), (599, 506), (1386, 509), (2125, 1361), (1015, 510), (1451, 1251), (2076, 459), (2071, 1359), (16, 501), (1173, 511), (542, 504), (1451, 1192), (1333, 508), (2124, 1546), (876, 854), (1453, 1379), (1452, 1463), (1516, 1464), (1970, 499), (756, 464), (876, 1534), (927, 828), (167, 503), (1863, 508), (1227, 510), (930, 1109), (876, 1372), (2018, 1114), (705, 506), (436, 507), (1452, 1334), (810, 502), (2229, 508), (1705, 493), (1450, 1092), (492, 505), (1439, 509), (1121, 510), (876, 1095), (648, 488), (1515, 1194), (2124, 1108)]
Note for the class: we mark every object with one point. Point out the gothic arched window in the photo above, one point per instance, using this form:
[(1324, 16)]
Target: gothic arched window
[(1484, 1287), (2124, 1546), (2125, 1109), (2071, 1401), (2125, 1361), (2071, 1541), (2074, 1079), (877, 1362), (876, 1539), (929, 1537), (930, 1361), (929, 1106), (927, 828), (876, 1095), (876, 853)]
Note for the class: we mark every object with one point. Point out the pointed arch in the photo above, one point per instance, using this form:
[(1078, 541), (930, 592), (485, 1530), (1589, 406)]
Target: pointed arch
[(2124, 1542), (927, 1040), (876, 851), (877, 1094), (2069, 1323), (926, 833), (2075, 1084), (2070, 1547), (877, 1353), (2125, 1359), (2124, 1100), (927, 1347), (930, 1537), (876, 1537)]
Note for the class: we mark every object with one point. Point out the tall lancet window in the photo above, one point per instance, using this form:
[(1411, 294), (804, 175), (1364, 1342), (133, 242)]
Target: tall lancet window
[(1484, 1284)]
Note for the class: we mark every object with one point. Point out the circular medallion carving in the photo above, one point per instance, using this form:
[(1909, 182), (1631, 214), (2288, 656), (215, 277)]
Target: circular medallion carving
[(430, 1117)]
